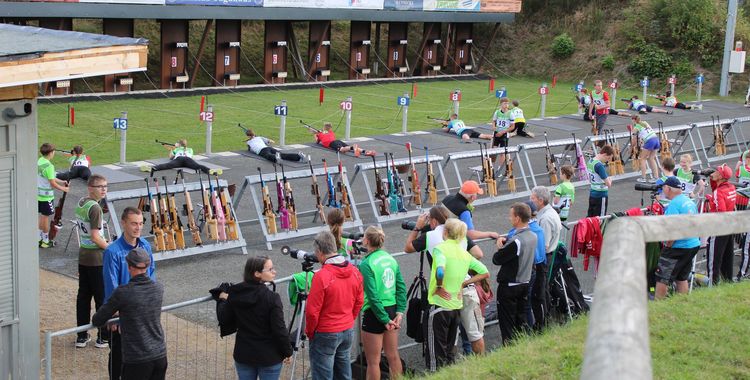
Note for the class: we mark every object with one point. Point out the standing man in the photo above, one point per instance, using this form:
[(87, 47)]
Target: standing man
[(45, 195), (721, 248), (336, 297), (599, 181), (516, 259), (460, 206), (115, 272), (144, 352), (90, 222), (675, 262), (601, 103), (504, 124), (550, 222)]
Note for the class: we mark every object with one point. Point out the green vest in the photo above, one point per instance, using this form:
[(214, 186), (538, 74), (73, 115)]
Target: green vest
[(45, 171), (596, 181), (686, 180), (598, 99), (502, 121), (384, 269), (567, 194), (182, 152), (744, 177), (645, 132), (84, 224)]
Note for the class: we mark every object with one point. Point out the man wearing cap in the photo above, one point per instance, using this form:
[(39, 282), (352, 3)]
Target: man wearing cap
[(144, 352), (116, 273), (460, 206), (721, 248), (677, 256)]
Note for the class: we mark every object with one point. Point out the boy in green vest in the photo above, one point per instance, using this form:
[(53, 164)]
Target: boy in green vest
[(45, 195), (565, 193), (600, 182)]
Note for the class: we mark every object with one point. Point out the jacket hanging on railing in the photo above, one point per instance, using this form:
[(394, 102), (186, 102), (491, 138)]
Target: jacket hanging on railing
[(587, 240)]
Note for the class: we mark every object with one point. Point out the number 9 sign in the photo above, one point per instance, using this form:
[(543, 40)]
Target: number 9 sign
[(402, 101)]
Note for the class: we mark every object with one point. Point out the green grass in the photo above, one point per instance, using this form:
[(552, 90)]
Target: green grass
[(704, 335), (374, 112)]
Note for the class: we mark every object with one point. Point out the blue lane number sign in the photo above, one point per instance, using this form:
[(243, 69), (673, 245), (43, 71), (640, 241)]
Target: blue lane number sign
[(280, 110), (645, 83), (699, 79), (120, 123), (402, 101), (579, 87), (501, 93)]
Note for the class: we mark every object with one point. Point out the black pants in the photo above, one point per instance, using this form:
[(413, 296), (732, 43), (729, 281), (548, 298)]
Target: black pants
[(540, 297), (519, 129), (81, 172), (720, 258), (152, 370), (90, 285), (511, 310), (114, 365), (442, 327), (269, 153), (181, 162), (597, 206)]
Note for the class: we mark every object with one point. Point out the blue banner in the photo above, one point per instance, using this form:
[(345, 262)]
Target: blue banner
[(403, 5)]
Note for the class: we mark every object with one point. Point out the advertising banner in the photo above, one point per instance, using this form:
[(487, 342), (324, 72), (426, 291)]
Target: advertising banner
[(225, 3), (341, 4), (149, 2), (451, 5), (403, 5)]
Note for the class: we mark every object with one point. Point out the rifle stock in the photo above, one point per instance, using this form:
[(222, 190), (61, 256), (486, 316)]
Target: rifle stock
[(551, 165), (208, 214), (55, 225), (580, 161), (192, 226), (221, 227), (331, 189), (509, 172), (179, 233), (345, 203), (289, 199), (431, 183), (398, 188), (379, 190), (488, 175), (665, 150), (416, 191), (268, 213), (169, 233), (159, 243), (315, 190)]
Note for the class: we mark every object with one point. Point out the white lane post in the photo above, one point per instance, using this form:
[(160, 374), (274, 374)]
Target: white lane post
[(543, 91), (671, 84), (405, 114), (123, 138), (613, 98), (209, 127), (456, 100), (348, 111), (699, 90), (645, 90), (282, 127)]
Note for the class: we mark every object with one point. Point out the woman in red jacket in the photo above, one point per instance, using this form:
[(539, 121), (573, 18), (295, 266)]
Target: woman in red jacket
[(721, 248)]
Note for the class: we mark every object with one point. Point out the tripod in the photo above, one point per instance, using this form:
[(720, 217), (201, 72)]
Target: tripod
[(299, 317)]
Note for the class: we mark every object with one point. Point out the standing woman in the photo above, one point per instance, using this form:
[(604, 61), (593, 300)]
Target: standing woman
[(344, 246), (385, 303), (262, 341), (650, 145)]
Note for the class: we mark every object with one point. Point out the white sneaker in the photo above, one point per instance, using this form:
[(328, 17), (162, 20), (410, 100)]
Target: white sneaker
[(302, 157)]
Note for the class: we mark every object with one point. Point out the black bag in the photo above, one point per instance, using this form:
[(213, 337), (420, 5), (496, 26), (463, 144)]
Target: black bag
[(417, 305), (564, 287), (359, 368)]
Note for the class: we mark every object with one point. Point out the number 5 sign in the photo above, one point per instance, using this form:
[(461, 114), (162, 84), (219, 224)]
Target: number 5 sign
[(346, 105)]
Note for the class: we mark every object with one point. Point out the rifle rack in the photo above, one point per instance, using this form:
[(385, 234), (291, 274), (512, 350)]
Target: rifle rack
[(177, 189), (569, 153), (401, 162), (727, 127), (270, 180)]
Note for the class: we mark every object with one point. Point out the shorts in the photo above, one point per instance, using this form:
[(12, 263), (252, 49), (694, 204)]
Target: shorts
[(471, 316), (597, 206), (675, 264), (472, 133), (500, 141), (337, 145), (644, 108), (601, 119), (370, 322), (652, 144), (45, 208)]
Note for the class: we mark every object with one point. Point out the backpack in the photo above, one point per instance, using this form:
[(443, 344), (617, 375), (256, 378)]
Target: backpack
[(417, 305)]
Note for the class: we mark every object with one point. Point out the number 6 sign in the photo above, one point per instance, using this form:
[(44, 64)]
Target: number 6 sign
[(543, 90)]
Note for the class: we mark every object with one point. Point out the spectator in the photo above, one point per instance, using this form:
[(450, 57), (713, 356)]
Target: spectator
[(90, 222), (550, 223), (144, 352), (565, 192), (742, 172), (516, 258), (721, 248), (692, 184), (45, 193), (600, 182), (255, 312), (336, 297), (115, 273), (385, 303), (533, 309), (667, 170), (433, 222), (460, 206), (675, 262), (451, 263)]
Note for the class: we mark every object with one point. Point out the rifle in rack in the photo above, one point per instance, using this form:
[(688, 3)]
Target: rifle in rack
[(635, 151), (221, 226), (310, 127), (331, 189), (289, 199), (619, 169), (509, 172), (188, 209), (416, 190), (229, 220), (488, 171), (208, 214), (283, 212), (610, 166), (55, 225), (431, 185), (166, 144), (346, 204), (551, 165), (399, 187), (267, 205), (166, 225), (580, 162), (156, 230), (719, 145), (665, 150), (379, 190), (179, 233), (315, 190)]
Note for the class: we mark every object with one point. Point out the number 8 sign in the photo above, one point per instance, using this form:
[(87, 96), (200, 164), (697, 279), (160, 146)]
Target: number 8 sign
[(455, 96)]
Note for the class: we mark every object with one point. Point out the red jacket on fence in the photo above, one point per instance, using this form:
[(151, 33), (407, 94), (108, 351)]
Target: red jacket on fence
[(587, 240)]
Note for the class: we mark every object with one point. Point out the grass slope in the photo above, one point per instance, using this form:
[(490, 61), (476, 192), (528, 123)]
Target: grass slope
[(705, 335)]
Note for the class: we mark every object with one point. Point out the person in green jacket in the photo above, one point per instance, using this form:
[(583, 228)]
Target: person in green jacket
[(45, 195), (385, 303)]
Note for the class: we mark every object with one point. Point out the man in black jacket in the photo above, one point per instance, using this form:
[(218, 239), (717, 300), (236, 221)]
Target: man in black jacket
[(516, 259), (144, 352)]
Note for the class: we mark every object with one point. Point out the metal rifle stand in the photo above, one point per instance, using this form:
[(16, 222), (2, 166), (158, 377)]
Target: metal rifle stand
[(569, 152), (299, 315), (731, 128)]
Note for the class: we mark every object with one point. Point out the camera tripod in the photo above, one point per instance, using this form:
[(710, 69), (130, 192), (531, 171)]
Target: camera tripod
[(299, 317)]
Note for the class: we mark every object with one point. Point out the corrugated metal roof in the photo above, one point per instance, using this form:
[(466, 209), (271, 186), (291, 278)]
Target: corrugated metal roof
[(26, 42)]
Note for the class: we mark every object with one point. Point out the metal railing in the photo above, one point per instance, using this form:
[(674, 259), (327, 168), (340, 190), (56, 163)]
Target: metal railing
[(617, 343)]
